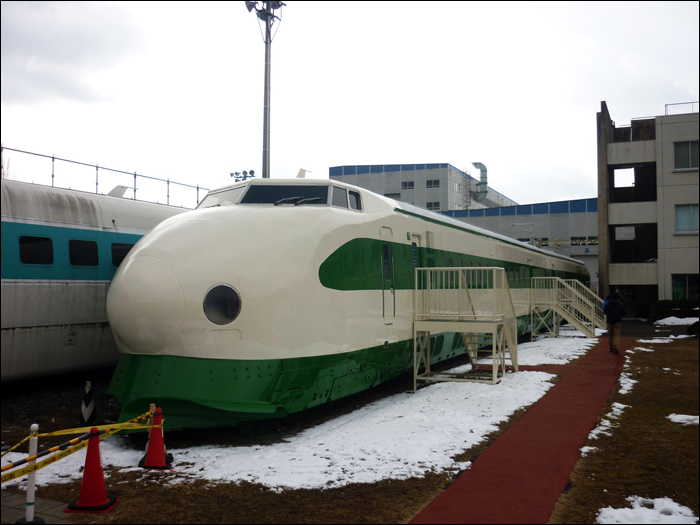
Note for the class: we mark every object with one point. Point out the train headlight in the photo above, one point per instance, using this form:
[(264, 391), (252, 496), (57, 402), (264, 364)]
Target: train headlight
[(222, 304)]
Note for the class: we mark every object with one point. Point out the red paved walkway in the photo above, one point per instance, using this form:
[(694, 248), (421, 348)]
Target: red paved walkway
[(521, 475)]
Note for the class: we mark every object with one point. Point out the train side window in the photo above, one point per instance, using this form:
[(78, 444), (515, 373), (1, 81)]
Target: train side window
[(119, 252), (355, 201), (35, 250), (83, 253), (386, 259), (340, 197)]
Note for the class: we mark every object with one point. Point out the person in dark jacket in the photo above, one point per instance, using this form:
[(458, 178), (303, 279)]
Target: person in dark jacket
[(614, 311)]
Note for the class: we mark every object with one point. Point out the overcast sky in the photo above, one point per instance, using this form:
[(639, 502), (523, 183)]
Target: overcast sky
[(175, 90)]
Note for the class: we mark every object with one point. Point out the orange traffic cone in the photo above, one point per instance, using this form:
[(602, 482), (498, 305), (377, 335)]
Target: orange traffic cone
[(93, 494), (156, 456)]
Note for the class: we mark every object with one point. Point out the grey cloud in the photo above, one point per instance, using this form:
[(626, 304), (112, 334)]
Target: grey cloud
[(48, 47)]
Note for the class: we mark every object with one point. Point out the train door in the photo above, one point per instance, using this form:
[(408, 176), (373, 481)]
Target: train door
[(388, 281)]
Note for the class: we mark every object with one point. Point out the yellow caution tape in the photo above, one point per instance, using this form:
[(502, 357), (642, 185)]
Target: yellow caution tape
[(107, 430), (43, 463), (84, 430)]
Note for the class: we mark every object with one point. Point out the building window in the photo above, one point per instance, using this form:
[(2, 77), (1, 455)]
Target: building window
[(83, 253), (408, 185), (685, 286), (457, 187), (433, 206), (432, 183), (685, 155), (687, 218)]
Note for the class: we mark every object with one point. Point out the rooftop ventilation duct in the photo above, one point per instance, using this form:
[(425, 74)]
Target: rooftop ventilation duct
[(480, 194)]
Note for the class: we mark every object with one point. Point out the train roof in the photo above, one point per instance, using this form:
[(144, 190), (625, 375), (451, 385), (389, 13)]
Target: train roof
[(444, 220), (404, 208), (25, 201)]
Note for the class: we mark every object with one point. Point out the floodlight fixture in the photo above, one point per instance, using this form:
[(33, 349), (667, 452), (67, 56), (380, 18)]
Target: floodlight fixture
[(240, 177)]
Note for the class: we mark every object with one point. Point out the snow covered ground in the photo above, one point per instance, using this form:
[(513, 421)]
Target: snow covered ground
[(676, 321), (402, 436)]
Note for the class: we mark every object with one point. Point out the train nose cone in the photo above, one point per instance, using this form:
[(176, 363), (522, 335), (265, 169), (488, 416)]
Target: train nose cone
[(145, 304)]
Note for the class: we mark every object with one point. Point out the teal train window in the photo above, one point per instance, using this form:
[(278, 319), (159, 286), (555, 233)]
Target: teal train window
[(119, 251), (35, 250), (83, 253)]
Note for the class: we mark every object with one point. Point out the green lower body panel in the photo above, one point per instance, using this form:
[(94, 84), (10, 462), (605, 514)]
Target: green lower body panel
[(210, 392), (196, 392)]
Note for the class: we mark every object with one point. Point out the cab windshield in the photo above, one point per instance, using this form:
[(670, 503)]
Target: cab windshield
[(281, 195), (222, 198), (292, 194)]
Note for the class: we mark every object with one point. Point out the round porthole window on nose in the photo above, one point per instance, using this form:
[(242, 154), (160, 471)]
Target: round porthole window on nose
[(222, 304)]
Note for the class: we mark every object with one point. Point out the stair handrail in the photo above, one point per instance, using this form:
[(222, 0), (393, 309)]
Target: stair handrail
[(571, 298), (576, 304), (596, 301)]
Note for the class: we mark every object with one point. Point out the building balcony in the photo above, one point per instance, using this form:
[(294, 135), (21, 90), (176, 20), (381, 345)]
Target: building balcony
[(634, 274), (632, 213)]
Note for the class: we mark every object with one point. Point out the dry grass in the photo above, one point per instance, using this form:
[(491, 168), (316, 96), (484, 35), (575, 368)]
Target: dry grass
[(647, 455)]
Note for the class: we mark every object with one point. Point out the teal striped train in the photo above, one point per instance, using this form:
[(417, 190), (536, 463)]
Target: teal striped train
[(60, 250), (275, 295)]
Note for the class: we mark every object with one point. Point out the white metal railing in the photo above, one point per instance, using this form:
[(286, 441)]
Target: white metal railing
[(466, 294), (592, 297), (578, 303), (477, 303), (681, 108)]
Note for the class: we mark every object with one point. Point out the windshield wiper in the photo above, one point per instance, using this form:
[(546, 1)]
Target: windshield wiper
[(308, 199), (287, 199)]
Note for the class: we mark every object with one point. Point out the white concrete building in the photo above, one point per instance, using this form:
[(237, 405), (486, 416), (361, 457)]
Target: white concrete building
[(436, 187), (648, 220)]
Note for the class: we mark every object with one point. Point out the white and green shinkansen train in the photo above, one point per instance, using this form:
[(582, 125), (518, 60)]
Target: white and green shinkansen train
[(275, 295)]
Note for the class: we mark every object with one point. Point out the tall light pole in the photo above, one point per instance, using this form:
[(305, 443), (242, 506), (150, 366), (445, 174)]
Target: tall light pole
[(266, 14)]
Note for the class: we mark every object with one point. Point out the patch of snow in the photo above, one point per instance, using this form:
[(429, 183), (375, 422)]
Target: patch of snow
[(645, 510)]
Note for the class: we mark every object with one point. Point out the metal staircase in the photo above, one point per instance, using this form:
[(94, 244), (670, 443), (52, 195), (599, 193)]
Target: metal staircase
[(554, 299), (477, 304)]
